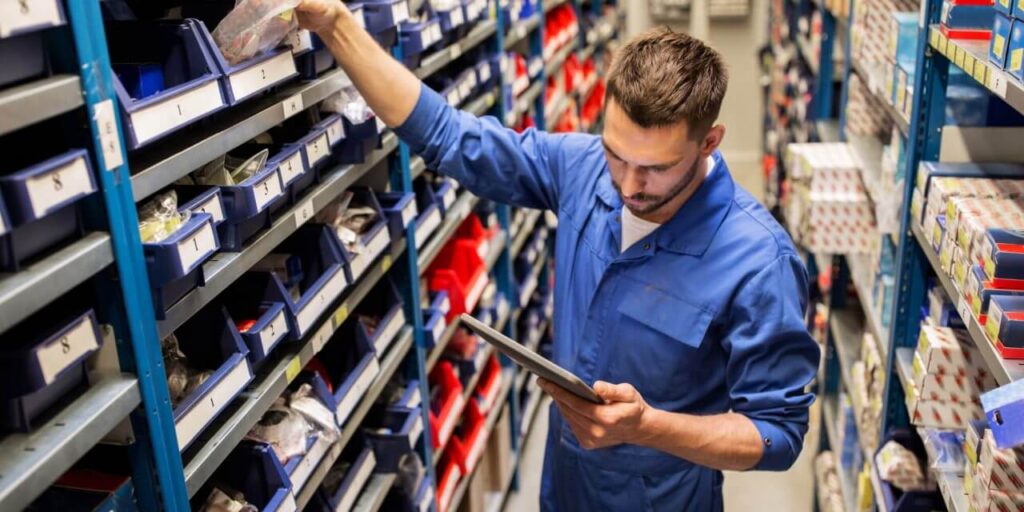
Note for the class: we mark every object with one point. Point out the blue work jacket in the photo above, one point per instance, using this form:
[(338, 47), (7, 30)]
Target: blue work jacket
[(703, 316)]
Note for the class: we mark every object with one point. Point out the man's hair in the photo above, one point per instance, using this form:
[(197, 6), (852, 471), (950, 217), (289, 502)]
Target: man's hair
[(661, 77)]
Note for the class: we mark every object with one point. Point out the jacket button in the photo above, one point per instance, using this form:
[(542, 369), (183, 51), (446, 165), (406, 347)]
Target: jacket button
[(647, 246), (767, 441)]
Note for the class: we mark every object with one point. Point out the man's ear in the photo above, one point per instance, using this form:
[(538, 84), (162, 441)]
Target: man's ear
[(712, 140)]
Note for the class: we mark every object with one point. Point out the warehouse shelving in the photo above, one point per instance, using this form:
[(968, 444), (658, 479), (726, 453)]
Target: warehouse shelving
[(972, 57), (829, 416), (873, 77), (111, 258), (847, 329)]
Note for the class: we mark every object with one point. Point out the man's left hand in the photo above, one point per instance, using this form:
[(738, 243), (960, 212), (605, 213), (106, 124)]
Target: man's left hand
[(621, 419)]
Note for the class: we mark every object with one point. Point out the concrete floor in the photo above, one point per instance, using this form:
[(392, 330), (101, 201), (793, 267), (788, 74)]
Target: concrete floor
[(791, 491)]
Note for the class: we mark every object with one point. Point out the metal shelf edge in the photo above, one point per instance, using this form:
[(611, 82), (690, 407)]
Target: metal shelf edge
[(524, 232), (28, 104), (446, 55), (521, 29), (372, 497)]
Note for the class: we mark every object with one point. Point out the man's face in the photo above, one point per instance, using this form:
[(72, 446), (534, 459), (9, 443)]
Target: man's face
[(653, 169)]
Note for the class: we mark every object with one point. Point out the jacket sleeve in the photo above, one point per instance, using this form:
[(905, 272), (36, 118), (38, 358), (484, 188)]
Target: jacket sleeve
[(772, 359), (490, 160)]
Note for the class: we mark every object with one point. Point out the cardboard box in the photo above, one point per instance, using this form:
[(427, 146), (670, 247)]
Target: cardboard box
[(1005, 323), (1003, 256), (475, 499), (972, 443), (999, 469), (1015, 51), (961, 389), (1001, 26), (1004, 409), (941, 309), (1004, 7), (937, 413), (946, 351), (494, 466), (967, 15), (979, 290), (987, 499)]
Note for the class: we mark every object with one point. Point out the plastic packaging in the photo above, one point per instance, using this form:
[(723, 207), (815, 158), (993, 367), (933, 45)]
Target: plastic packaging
[(228, 171), (945, 449), (282, 428), (254, 26), (181, 380), (220, 501), (160, 218), (349, 103), (316, 413), (348, 220)]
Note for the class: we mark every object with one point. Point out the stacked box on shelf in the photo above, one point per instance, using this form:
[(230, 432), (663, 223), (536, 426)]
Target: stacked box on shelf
[(967, 19), (868, 386), (829, 490), (828, 212), (901, 56), (865, 113), (948, 378), (997, 480)]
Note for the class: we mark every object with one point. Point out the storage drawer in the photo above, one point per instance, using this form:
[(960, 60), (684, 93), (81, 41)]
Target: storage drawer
[(393, 434), (174, 264), (352, 367), (252, 469), (384, 304), (401, 211)]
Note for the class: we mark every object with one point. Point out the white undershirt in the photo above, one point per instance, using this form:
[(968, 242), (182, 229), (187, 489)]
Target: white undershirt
[(635, 229)]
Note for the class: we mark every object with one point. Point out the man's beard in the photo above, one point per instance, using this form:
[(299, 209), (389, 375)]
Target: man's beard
[(656, 202)]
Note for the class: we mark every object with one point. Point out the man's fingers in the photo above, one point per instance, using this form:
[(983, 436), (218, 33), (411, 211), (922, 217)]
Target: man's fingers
[(615, 392), (568, 399)]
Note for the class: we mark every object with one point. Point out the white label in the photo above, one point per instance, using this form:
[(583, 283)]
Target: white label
[(449, 198), (273, 332), (485, 72), (360, 262), (317, 149), (291, 168), (528, 289), (476, 450), (535, 66), (449, 422), (491, 398), (449, 489), (300, 41), (414, 400), (446, 305), (212, 206), (356, 392), (249, 81), (204, 410), (110, 140), (330, 291), (292, 105), (360, 17), (428, 499), (483, 250), (474, 293), (196, 247), (439, 327), (416, 430), (335, 132), (388, 334), (288, 505), (480, 360), (427, 227), (58, 186), (58, 355), (381, 126), (309, 462), (322, 336), (378, 243), (176, 111), (400, 12), (23, 14), (998, 83), (409, 212), (520, 31), (431, 35), (454, 51), (465, 88), (455, 17), (965, 310), (360, 476), (267, 190), (304, 213)]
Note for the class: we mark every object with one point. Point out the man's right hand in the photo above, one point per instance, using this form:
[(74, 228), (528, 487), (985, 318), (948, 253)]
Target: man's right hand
[(319, 15)]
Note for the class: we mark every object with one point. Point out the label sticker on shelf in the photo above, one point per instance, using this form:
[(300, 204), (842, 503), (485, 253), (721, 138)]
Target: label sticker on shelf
[(291, 168), (212, 206), (400, 12), (959, 56), (385, 263), (322, 336), (439, 328), (362, 475), (59, 186), (300, 40), (455, 17), (997, 82), (154, 120), (300, 475), (968, 63), (416, 430), (24, 14), (288, 504), (387, 335), (273, 332), (428, 499), (60, 353), (449, 198), (292, 105), (356, 392), (267, 190), (335, 132), (293, 369), (193, 249), (207, 407), (1015, 59), (110, 141), (981, 72), (330, 291), (341, 314), (409, 212), (427, 227), (317, 149), (964, 310), (933, 38), (250, 81)]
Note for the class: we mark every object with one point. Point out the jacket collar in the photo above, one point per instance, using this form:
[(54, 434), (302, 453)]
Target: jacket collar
[(692, 228)]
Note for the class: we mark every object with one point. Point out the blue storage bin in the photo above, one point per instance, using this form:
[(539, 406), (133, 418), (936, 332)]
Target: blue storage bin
[(411, 397), (383, 15), (269, 322), (374, 241), (362, 464), (247, 206), (434, 325), (360, 141), (184, 90), (252, 76), (451, 21), (42, 202), (40, 364), (430, 211), (417, 37), (446, 192), (324, 279), (175, 264), (24, 57), (253, 469), (401, 211), (301, 467), (352, 366), (474, 10), (486, 78), (315, 62), (385, 303), (210, 341), (911, 501), (201, 199), (404, 429), (296, 176)]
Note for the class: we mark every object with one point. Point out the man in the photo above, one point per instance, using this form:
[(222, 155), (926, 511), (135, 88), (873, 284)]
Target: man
[(676, 293)]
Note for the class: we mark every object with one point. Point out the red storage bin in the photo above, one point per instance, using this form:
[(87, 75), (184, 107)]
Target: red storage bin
[(449, 473), (460, 271), (467, 448), (488, 387), (473, 230), (444, 414)]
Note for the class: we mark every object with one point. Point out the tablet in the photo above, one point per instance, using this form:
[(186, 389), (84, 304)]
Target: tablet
[(531, 360)]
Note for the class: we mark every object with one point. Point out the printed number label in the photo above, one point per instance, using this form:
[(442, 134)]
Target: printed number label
[(293, 105), (57, 187), (62, 352), (194, 248)]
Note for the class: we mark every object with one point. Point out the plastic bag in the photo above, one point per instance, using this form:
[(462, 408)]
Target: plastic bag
[(160, 218), (221, 501), (315, 412), (254, 26), (283, 429), (228, 170), (349, 103)]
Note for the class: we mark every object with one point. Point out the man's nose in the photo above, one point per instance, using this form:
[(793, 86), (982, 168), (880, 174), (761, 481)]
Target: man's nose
[(632, 182)]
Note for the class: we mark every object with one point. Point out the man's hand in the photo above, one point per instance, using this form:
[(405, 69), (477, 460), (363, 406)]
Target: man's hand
[(319, 15), (621, 419)]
